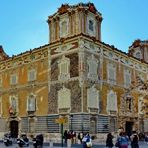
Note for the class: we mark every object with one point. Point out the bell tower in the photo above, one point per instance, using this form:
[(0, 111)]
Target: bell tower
[(70, 21), (139, 50)]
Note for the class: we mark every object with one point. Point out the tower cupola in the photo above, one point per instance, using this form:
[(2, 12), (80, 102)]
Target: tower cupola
[(74, 20)]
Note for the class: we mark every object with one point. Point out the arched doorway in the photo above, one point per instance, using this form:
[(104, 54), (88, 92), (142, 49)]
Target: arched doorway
[(14, 128)]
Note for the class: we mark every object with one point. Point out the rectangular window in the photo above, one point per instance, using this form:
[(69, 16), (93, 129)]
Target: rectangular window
[(13, 79), (111, 73), (32, 75), (127, 78), (64, 68), (31, 104), (14, 105)]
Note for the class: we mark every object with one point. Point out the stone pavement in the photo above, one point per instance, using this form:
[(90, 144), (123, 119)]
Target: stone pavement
[(58, 145)]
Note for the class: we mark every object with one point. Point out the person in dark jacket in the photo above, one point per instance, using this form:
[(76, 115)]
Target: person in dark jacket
[(65, 136), (109, 140), (134, 140)]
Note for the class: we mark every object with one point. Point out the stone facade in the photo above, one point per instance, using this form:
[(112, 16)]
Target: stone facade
[(78, 77), (18, 84), (103, 74)]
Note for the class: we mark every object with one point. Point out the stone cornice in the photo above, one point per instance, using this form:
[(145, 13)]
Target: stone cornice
[(27, 86)]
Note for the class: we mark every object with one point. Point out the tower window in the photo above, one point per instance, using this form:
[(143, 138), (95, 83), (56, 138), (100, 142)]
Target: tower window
[(138, 55), (64, 27), (91, 25)]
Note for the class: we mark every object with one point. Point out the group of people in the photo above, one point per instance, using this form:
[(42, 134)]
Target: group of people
[(122, 140), (70, 135), (83, 138)]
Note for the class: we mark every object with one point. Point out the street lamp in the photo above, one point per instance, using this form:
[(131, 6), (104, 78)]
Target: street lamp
[(71, 117)]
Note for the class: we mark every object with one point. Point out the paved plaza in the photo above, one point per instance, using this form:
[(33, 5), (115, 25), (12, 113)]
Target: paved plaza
[(141, 145)]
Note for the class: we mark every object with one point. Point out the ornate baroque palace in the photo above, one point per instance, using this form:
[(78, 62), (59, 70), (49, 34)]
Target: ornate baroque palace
[(76, 76)]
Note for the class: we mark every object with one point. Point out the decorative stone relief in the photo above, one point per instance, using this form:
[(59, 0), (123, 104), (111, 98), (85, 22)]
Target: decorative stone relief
[(64, 48), (13, 108), (140, 105), (64, 98), (127, 106)]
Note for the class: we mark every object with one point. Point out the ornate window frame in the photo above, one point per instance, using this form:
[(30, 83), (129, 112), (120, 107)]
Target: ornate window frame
[(64, 98), (13, 100), (64, 68), (31, 103), (13, 79), (127, 77), (140, 105), (138, 54), (129, 103), (93, 98), (111, 102), (32, 74), (111, 73), (92, 67), (64, 26), (91, 30)]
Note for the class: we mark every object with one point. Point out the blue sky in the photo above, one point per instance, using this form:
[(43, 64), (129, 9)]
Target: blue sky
[(23, 23)]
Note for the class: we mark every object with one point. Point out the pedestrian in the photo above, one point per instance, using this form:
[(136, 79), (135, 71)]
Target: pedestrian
[(87, 142), (146, 138), (74, 137), (65, 136), (80, 137), (122, 140), (134, 140), (109, 140)]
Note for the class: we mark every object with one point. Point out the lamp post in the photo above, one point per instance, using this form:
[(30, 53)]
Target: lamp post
[(71, 118), (61, 121)]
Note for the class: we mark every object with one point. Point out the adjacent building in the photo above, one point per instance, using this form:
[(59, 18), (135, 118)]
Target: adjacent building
[(75, 76)]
